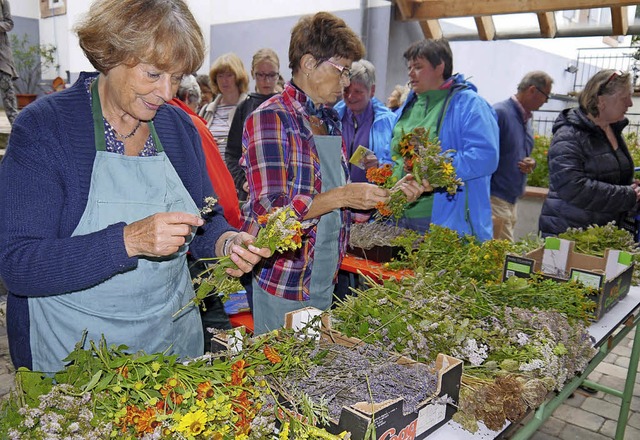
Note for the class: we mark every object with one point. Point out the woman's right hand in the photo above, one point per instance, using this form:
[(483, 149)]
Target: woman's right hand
[(160, 234), (636, 189)]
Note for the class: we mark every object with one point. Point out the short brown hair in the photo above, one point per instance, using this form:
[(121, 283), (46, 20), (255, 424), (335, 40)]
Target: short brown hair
[(605, 82), (162, 33), (323, 35), (229, 62)]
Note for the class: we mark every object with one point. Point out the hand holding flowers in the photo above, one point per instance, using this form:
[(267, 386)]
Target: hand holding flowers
[(280, 231), (424, 158)]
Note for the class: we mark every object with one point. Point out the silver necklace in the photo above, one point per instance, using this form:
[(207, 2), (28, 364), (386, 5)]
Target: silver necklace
[(122, 136)]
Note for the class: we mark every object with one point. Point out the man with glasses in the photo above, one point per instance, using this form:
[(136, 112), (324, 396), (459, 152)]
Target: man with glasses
[(516, 143)]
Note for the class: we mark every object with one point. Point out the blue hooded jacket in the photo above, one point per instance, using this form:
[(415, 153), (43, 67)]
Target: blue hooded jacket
[(469, 126)]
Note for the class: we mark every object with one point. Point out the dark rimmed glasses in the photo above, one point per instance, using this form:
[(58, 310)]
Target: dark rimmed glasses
[(345, 72), (269, 76), (613, 75), (542, 91)]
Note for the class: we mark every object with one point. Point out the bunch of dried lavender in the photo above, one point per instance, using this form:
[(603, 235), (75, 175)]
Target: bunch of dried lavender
[(368, 235), (342, 376)]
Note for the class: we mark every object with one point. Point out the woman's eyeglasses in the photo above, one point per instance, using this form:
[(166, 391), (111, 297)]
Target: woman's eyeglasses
[(270, 76), (345, 72), (613, 75)]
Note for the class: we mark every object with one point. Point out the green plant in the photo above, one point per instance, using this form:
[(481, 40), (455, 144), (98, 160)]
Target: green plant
[(631, 139), (30, 60), (540, 175)]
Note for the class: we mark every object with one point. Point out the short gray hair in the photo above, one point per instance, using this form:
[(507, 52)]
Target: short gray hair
[(189, 90), (537, 78), (362, 71)]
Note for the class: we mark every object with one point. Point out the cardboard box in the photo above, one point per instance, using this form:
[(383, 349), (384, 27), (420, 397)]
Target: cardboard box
[(557, 260), (389, 421), (379, 254)]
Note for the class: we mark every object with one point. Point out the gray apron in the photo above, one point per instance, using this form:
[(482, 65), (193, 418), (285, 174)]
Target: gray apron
[(269, 310), (134, 308)]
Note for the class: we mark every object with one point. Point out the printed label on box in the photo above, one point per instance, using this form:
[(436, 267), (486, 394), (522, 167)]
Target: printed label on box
[(431, 415), (517, 266), (589, 279)]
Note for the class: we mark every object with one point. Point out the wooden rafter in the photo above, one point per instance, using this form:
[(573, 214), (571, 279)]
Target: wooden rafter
[(435, 9), (428, 12), (619, 21), (431, 29), (548, 25), (486, 28)]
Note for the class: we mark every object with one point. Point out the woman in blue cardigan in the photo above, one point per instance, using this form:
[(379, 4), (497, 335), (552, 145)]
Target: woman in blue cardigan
[(101, 190)]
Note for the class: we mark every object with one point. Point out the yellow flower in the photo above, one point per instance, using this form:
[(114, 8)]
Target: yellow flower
[(447, 169), (193, 423)]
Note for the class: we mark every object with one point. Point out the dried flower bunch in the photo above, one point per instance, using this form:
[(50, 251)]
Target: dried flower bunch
[(368, 235), (340, 376), (424, 158), (280, 232)]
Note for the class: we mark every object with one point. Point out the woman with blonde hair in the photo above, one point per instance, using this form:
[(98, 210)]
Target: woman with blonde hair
[(230, 82), (591, 177), (265, 67)]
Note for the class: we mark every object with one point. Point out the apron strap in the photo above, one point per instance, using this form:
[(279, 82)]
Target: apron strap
[(98, 122)]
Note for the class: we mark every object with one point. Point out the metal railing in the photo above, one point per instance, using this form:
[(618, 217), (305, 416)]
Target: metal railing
[(543, 121), (592, 60)]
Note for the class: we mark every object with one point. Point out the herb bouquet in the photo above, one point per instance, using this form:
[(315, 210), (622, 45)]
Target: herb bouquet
[(280, 232), (425, 160)]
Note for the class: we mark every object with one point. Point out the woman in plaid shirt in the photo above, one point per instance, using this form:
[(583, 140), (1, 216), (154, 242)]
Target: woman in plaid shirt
[(294, 156)]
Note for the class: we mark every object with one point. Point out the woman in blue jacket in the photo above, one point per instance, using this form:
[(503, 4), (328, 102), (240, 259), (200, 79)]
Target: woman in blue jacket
[(451, 110)]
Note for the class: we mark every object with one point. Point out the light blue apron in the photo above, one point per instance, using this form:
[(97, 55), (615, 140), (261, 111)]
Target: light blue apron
[(134, 308), (269, 310)]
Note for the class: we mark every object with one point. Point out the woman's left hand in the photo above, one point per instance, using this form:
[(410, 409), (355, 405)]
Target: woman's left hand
[(411, 188), (244, 254)]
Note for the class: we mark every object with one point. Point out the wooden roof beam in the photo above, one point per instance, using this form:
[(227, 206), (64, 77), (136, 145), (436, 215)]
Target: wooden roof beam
[(486, 28), (435, 9), (548, 25), (405, 8), (619, 20), (431, 29)]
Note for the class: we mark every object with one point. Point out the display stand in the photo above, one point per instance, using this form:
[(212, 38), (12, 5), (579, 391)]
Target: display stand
[(607, 333)]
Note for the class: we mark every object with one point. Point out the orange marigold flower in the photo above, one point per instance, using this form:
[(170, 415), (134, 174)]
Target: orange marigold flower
[(272, 354), (263, 219), (237, 372), (204, 391), (147, 421), (383, 209)]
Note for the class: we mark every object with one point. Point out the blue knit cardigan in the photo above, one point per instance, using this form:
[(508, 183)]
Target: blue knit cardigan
[(44, 181)]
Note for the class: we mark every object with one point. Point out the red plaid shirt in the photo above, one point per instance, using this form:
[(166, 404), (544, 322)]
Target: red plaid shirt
[(283, 169)]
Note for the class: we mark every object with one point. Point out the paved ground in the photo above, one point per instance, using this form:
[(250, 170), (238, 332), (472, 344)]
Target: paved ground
[(583, 417)]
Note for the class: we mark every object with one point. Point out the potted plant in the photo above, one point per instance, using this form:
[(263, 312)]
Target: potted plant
[(30, 60)]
